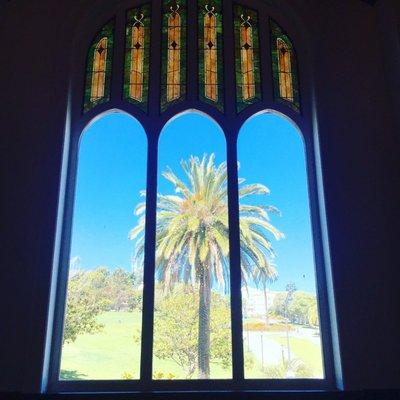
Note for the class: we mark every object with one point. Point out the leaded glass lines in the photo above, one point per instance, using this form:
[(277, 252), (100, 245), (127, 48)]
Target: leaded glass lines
[(174, 54), (173, 69), (98, 68), (284, 67), (137, 56), (210, 54), (136, 86), (174, 58), (210, 49), (247, 57), (285, 72)]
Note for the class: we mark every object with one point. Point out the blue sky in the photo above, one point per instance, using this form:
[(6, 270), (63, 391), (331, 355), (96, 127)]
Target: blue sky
[(112, 171)]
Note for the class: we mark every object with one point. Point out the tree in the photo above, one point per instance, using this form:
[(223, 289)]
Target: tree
[(263, 277), (193, 237), (94, 291), (175, 335), (81, 310), (301, 310), (313, 318)]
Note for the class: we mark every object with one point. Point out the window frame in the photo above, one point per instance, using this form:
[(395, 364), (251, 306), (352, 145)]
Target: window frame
[(153, 122)]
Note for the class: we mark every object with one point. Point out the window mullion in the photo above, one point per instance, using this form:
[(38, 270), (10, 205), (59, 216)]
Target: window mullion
[(228, 57), (155, 60), (191, 49), (265, 57), (234, 253), (118, 57), (146, 358)]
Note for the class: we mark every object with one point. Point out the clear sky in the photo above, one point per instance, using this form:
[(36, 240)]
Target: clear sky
[(112, 171)]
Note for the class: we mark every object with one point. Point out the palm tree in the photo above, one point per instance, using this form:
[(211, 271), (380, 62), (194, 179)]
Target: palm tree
[(263, 277), (192, 237)]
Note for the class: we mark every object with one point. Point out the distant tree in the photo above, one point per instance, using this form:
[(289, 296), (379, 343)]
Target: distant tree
[(313, 318), (299, 309), (121, 292), (81, 310), (95, 291), (262, 277)]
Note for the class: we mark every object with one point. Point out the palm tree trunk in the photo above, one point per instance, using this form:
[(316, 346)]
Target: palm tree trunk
[(204, 323)]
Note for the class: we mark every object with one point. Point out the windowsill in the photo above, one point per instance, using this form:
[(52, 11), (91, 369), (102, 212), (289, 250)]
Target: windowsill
[(384, 394)]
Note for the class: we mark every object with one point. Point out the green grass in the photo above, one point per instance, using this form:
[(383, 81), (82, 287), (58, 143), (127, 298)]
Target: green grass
[(114, 351), (307, 351), (106, 354)]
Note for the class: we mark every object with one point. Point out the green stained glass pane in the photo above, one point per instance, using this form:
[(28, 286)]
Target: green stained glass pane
[(284, 67), (137, 56), (210, 49), (247, 57), (98, 68), (173, 68)]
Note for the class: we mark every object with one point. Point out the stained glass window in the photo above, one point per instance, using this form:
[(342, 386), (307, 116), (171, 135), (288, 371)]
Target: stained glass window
[(247, 57), (210, 52), (173, 78), (284, 67), (98, 68), (137, 53)]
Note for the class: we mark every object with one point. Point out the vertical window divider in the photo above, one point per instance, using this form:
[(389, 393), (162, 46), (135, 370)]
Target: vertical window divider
[(228, 55), (152, 132), (267, 83), (155, 60), (234, 254), (146, 358), (118, 55), (191, 51)]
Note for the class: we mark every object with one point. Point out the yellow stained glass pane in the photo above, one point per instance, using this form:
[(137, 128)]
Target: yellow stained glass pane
[(137, 60), (210, 55), (285, 72), (174, 56), (99, 70), (246, 55)]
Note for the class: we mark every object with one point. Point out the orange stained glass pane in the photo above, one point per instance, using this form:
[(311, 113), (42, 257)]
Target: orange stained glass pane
[(174, 56), (246, 54), (99, 70), (285, 70), (137, 60), (210, 55)]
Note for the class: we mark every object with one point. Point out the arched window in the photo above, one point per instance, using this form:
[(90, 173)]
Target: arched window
[(111, 173), (177, 270), (192, 253), (277, 255)]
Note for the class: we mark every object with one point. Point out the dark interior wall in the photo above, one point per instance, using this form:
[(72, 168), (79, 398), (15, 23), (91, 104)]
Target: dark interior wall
[(355, 53)]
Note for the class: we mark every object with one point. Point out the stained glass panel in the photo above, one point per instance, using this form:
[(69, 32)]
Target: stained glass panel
[(210, 52), (98, 68), (137, 56), (247, 57), (173, 76), (284, 67)]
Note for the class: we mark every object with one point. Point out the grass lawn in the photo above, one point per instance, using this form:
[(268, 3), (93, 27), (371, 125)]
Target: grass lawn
[(113, 351), (306, 351)]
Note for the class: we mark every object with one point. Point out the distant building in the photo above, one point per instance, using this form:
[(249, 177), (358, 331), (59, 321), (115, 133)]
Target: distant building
[(254, 302)]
